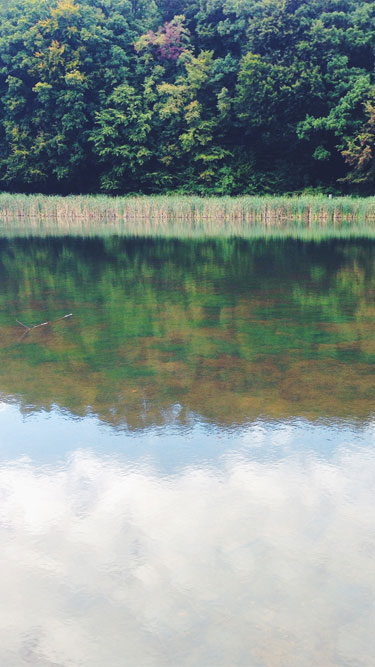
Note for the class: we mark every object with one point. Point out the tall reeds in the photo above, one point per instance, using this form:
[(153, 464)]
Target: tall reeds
[(186, 215)]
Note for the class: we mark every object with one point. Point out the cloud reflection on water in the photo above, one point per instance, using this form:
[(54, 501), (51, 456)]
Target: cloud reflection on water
[(253, 564)]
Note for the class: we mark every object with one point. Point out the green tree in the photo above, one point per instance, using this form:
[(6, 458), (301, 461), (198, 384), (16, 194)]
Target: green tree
[(59, 62), (225, 96), (360, 152)]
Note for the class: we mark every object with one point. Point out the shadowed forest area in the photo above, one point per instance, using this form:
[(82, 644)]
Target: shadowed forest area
[(190, 96)]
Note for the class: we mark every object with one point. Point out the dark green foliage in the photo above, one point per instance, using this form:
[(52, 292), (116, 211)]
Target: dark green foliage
[(204, 96)]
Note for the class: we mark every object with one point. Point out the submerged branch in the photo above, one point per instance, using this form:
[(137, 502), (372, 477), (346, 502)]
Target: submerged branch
[(23, 325), (43, 324)]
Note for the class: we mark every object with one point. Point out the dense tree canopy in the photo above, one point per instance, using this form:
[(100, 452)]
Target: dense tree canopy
[(206, 96)]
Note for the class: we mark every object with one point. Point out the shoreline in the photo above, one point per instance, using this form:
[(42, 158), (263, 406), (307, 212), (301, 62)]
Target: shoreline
[(186, 216)]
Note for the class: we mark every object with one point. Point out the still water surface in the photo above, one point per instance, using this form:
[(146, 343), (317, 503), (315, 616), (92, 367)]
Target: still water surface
[(187, 463)]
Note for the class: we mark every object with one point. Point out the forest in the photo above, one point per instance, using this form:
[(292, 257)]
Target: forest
[(208, 97)]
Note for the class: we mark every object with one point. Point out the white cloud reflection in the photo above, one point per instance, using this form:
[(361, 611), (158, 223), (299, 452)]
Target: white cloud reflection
[(103, 565)]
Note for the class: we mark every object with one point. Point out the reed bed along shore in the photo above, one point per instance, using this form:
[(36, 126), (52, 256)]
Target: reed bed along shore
[(186, 215)]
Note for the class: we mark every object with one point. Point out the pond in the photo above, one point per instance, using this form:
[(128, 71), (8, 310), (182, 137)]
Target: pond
[(187, 461)]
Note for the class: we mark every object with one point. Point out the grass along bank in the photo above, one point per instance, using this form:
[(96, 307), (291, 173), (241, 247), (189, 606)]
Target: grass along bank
[(187, 214)]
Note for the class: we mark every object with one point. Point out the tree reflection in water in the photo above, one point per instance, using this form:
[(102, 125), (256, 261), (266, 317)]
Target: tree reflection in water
[(230, 329)]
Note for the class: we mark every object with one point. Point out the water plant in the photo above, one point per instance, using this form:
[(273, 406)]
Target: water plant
[(187, 215)]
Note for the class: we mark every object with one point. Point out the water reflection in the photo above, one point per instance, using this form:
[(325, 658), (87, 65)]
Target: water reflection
[(103, 563), (47, 437), (187, 464), (228, 329)]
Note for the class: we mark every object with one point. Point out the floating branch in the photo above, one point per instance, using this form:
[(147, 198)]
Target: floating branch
[(43, 324)]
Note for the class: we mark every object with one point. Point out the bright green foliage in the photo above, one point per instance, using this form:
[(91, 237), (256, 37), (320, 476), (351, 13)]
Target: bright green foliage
[(60, 64), (119, 137), (199, 96), (360, 151)]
